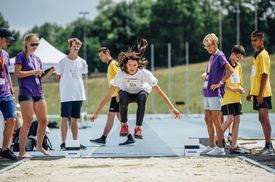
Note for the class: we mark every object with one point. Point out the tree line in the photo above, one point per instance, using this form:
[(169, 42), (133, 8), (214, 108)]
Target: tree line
[(118, 26)]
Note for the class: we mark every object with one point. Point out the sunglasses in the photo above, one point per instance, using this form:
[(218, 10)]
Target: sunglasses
[(34, 44)]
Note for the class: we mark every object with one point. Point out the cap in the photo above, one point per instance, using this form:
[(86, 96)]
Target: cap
[(4, 32)]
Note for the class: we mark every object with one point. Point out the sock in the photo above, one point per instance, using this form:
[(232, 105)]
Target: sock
[(103, 137), (130, 137)]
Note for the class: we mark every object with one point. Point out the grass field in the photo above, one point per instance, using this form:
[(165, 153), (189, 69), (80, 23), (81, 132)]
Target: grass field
[(97, 88)]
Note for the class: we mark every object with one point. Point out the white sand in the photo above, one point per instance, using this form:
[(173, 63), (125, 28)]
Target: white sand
[(146, 169)]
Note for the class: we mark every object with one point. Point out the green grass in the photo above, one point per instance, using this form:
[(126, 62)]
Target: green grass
[(97, 88)]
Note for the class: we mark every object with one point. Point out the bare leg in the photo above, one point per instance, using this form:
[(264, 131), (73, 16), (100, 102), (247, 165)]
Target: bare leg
[(264, 119), (210, 128), (8, 131), (40, 109), (235, 131), (27, 114), (227, 122), (109, 123), (64, 129), (215, 116), (74, 128)]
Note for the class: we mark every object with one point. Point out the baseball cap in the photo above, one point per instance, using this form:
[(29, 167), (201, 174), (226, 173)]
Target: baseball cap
[(4, 32)]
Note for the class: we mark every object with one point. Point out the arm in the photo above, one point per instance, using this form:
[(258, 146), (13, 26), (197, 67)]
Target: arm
[(47, 72), (228, 72), (11, 85), (158, 90), (21, 74), (260, 98), (240, 89), (103, 102)]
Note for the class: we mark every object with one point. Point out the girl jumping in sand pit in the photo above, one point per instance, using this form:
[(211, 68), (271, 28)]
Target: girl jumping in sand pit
[(135, 83)]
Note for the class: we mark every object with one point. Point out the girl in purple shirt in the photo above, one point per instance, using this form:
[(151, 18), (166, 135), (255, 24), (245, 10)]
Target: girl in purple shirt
[(28, 70)]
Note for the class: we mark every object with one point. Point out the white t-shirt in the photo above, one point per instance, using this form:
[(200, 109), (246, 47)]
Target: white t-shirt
[(142, 80), (71, 83)]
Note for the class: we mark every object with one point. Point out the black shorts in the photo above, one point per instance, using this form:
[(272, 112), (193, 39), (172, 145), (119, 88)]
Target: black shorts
[(266, 104), (232, 109), (71, 109), (32, 98), (114, 105)]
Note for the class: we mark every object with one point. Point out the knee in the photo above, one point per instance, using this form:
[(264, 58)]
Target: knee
[(43, 122), (237, 119), (141, 99), (262, 119)]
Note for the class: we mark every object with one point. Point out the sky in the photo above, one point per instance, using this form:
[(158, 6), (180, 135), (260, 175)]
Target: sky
[(23, 15)]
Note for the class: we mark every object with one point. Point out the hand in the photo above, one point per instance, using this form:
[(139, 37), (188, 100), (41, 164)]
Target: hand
[(176, 113), (57, 77), (260, 99), (240, 90), (93, 117), (249, 98), (215, 86), (38, 72), (204, 76)]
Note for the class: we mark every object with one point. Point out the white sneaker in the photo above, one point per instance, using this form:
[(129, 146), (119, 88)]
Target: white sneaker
[(217, 151), (206, 150)]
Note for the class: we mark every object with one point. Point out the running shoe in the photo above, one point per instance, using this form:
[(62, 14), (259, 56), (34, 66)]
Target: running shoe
[(62, 146), (138, 133), (82, 147), (206, 150), (128, 142), (124, 130), (267, 151), (237, 151), (98, 141), (216, 151), (8, 154)]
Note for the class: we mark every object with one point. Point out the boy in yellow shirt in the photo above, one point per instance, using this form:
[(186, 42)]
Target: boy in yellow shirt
[(231, 102), (260, 88), (105, 56)]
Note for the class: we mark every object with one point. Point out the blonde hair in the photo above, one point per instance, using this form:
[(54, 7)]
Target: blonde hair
[(210, 39), (27, 38), (76, 40)]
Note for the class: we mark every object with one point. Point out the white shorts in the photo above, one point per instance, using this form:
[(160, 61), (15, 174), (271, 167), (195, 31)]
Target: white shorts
[(212, 103)]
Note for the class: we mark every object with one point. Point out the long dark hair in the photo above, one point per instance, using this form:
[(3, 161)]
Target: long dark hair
[(138, 56)]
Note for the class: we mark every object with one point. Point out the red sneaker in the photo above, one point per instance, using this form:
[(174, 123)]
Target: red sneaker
[(138, 133), (124, 130)]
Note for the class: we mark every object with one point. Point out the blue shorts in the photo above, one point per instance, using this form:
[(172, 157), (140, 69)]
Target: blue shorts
[(71, 109), (7, 107), (212, 103), (32, 98)]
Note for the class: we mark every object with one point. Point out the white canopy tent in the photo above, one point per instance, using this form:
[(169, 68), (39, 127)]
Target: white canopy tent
[(49, 55)]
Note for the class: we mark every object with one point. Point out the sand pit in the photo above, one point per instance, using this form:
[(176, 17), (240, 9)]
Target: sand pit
[(138, 169)]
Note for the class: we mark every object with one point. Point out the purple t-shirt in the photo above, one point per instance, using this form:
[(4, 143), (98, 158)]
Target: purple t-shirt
[(31, 85), (217, 71), (5, 88)]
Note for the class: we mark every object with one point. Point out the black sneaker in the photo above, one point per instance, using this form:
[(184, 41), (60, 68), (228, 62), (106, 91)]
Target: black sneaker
[(267, 151), (237, 151), (98, 141), (128, 142), (82, 147), (62, 146), (8, 154)]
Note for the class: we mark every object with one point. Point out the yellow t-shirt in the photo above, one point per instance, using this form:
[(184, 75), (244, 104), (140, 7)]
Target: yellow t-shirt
[(234, 81), (113, 69), (260, 66)]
